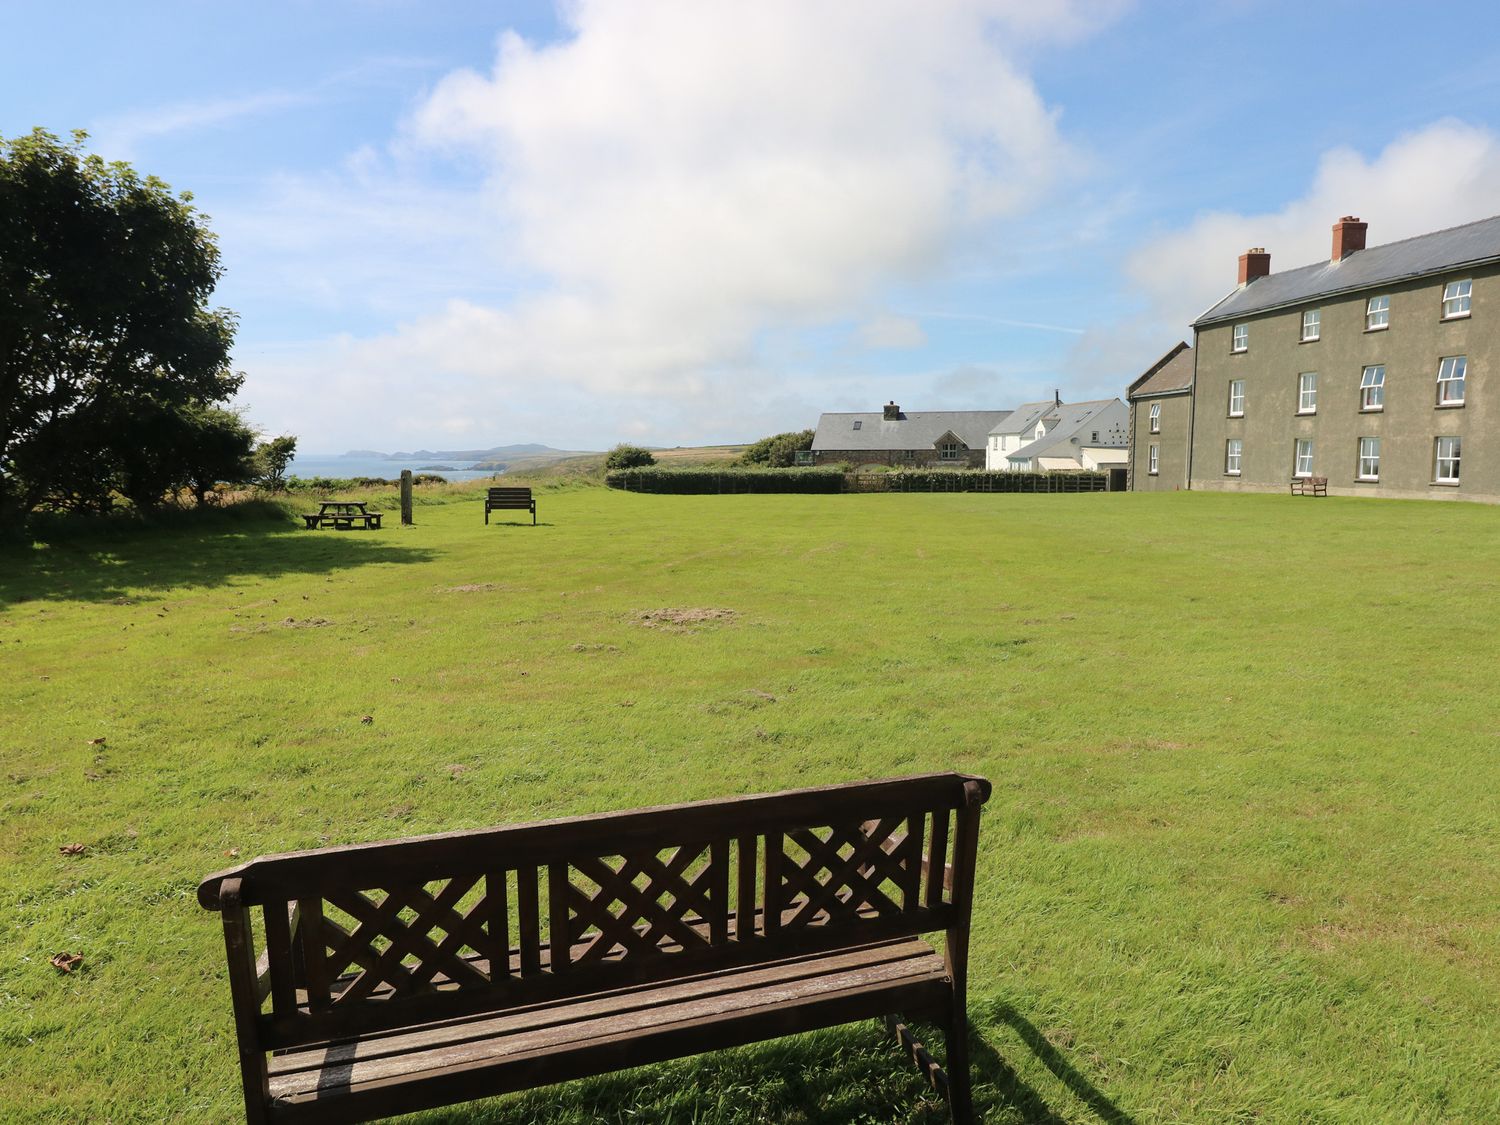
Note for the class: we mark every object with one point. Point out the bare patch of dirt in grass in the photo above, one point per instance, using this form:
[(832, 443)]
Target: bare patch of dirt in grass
[(594, 648), (304, 622), (1438, 940), (684, 620), (469, 588)]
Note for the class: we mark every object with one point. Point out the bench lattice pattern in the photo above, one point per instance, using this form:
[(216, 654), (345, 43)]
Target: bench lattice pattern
[(495, 929)]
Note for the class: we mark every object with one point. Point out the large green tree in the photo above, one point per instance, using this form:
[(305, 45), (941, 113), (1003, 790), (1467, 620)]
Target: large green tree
[(105, 329)]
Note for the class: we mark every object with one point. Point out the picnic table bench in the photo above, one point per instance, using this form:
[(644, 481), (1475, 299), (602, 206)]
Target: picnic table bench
[(505, 499), (1309, 486), (342, 515), (417, 973)]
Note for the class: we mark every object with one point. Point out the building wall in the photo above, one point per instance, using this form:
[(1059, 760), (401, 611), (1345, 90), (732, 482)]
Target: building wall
[(899, 458), (1171, 442), (1410, 349)]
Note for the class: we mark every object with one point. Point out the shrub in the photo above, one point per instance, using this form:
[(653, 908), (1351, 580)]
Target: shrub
[(625, 456), (779, 451), (726, 480)]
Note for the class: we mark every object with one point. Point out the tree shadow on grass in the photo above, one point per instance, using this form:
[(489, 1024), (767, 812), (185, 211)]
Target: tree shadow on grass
[(109, 562), (855, 1073)]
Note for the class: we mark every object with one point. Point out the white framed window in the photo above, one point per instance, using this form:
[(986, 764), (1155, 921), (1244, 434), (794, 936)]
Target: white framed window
[(1446, 456), (1377, 313), (1307, 392), (1302, 460), (1456, 295), (1312, 325), (1450, 383), (1155, 419), (1372, 387), (1239, 339), (948, 451), (1369, 458), (1153, 460), (1232, 450), (1236, 398)]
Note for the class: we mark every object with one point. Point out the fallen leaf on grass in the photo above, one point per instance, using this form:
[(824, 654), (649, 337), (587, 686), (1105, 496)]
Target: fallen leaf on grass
[(368, 719), (66, 962), (72, 849), (96, 742), (233, 853)]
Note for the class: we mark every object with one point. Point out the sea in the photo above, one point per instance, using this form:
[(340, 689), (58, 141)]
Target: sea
[(333, 465)]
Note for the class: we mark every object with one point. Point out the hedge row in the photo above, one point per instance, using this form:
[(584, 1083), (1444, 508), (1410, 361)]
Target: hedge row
[(722, 480), (835, 480), (981, 480)]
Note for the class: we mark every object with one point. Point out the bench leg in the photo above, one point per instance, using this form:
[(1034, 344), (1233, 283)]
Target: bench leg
[(960, 1098)]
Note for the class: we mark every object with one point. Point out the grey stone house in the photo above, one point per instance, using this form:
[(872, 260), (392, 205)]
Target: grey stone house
[(1160, 412), (1375, 369), (892, 436)]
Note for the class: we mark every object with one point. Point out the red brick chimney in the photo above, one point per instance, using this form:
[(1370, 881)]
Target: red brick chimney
[(1254, 263), (1348, 236)]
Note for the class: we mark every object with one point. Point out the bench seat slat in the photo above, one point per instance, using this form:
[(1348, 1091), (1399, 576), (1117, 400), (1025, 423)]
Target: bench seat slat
[(544, 1012), (521, 1038)]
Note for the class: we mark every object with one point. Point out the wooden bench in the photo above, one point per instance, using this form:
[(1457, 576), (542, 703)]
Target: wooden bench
[(1309, 486), (506, 499), (417, 973)]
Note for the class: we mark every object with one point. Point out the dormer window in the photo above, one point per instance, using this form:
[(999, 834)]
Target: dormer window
[(948, 451)]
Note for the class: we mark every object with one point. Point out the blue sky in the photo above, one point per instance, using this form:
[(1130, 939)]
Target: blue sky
[(463, 224)]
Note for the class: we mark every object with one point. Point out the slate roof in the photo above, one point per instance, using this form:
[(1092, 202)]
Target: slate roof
[(1171, 374), (1025, 417), (1438, 252), (915, 430), (1072, 417)]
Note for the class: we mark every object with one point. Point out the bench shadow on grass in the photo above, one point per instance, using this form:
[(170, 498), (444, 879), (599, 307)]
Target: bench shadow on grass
[(110, 563), (851, 1073)]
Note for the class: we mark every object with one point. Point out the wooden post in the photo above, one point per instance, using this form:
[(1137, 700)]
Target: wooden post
[(405, 497)]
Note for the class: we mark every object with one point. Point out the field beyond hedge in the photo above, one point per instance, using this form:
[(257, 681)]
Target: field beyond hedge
[(1242, 861)]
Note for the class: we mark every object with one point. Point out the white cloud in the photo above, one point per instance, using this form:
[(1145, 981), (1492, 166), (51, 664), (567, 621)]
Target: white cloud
[(673, 179), (891, 331), (1440, 176)]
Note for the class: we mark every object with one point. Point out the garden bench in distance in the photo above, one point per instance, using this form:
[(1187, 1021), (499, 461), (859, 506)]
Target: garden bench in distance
[(417, 973), (504, 499), (1309, 486)]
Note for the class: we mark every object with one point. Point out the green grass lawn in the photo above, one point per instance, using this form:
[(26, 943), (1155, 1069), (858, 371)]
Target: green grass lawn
[(1242, 862)]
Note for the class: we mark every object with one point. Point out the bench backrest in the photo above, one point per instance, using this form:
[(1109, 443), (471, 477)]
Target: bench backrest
[(385, 935), (509, 496)]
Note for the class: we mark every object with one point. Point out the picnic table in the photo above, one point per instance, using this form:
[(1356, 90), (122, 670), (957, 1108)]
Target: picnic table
[(343, 515)]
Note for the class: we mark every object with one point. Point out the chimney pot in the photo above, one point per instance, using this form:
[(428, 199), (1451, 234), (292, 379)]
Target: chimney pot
[(1348, 237), (1255, 263)]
